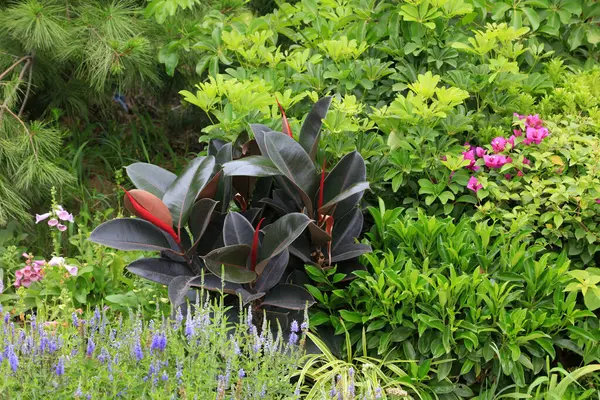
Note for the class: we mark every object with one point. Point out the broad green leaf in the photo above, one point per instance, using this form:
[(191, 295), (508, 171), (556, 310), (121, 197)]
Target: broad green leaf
[(229, 262), (150, 178), (130, 234)]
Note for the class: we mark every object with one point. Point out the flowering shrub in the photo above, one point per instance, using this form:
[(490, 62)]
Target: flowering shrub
[(185, 357)]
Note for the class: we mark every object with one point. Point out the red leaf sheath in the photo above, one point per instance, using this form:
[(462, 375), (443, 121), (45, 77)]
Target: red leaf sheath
[(285, 125), (254, 252), (145, 214)]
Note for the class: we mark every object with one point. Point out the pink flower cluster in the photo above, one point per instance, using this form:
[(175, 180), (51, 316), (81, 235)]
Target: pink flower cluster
[(534, 133), (32, 272), (56, 215)]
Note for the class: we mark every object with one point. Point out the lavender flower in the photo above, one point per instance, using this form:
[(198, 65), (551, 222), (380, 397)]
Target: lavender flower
[(241, 373), (178, 319), (189, 326), (293, 339), (294, 327), (304, 326), (236, 348), (13, 360), (78, 392), (378, 393), (60, 366), (179, 372), (75, 319), (137, 350), (164, 376), (104, 356), (6, 318), (90, 347), (159, 342)]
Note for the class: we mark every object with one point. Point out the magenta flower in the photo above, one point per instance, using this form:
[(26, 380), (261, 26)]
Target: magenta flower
[(53, 222), (511, 140), (498, 144), (39, 218), (27, 275), (496, 160), (598, 201), (535, 135), (61, 227), (507, 176), (470, 155), (518, 132), (480, 152), (520, 173), (534, 121), (526, 161), (474, 184), (519, 115)]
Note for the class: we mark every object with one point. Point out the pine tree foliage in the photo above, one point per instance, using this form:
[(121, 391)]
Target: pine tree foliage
[(73, 55)]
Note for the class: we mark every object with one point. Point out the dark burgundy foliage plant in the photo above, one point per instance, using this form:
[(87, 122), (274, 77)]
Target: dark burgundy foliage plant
[(259, 251)]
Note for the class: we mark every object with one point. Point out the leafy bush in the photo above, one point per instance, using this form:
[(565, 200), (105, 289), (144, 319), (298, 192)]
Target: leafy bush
[(464, 303), (201, 353)]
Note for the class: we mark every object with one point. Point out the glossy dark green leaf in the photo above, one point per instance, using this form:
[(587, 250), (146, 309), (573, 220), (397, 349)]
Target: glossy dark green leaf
[(349, 171), (349, 251), (159, 270), (257, 166), (357, 188), (214, 146), (310, 132), (279, 235), (248, 297), (178, 288), (259, 131), (288, 296), (150, 178), (229, 262), (182, 193), (317, 235), (292, 161), (273, 272), (200, 218), (130, 234), (214, 283), (347, 229), (237, 230)]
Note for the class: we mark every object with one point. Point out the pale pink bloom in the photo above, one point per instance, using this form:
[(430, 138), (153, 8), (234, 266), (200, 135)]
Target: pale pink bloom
[(56, 261), (496, 160), (61, 227), (72, 269), (474, 184), (53, 222), (39, 218), (62, 214), (25, 282), (38, 263), (498, 144)]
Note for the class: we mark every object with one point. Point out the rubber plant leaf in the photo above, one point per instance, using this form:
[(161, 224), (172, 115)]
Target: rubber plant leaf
[(150, 178)]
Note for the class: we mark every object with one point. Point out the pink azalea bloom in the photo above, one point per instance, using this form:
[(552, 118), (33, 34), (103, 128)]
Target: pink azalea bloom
[(470, 155), (534, 121), (496, 160), (520, 173), (598, 201), (511, 140), (526, 161), (507, 176), (53, 222), (535, 135), (498, 144), (519, 115), (39, 218), (474, 184), (480, 151), (518, 132), (61, 227)]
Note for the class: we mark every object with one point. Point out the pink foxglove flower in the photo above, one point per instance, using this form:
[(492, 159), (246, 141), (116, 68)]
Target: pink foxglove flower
[(496, 160), (61, 227), (535, 135), (56, 261), (53, 222), (470, 155), (474, 184), (498, 144), (39, 218), (62, 214)]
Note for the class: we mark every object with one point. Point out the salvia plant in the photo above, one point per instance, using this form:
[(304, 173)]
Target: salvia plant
[(290, 213), (202, 355)]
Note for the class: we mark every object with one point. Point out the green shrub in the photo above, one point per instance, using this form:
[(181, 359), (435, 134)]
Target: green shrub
[(460, 303)]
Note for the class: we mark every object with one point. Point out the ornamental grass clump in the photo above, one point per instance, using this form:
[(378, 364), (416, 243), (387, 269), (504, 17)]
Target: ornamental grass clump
[(197, 356)]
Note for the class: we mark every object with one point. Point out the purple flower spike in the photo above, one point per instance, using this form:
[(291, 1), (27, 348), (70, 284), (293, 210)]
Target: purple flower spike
[(60, 367), (294, 327)]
